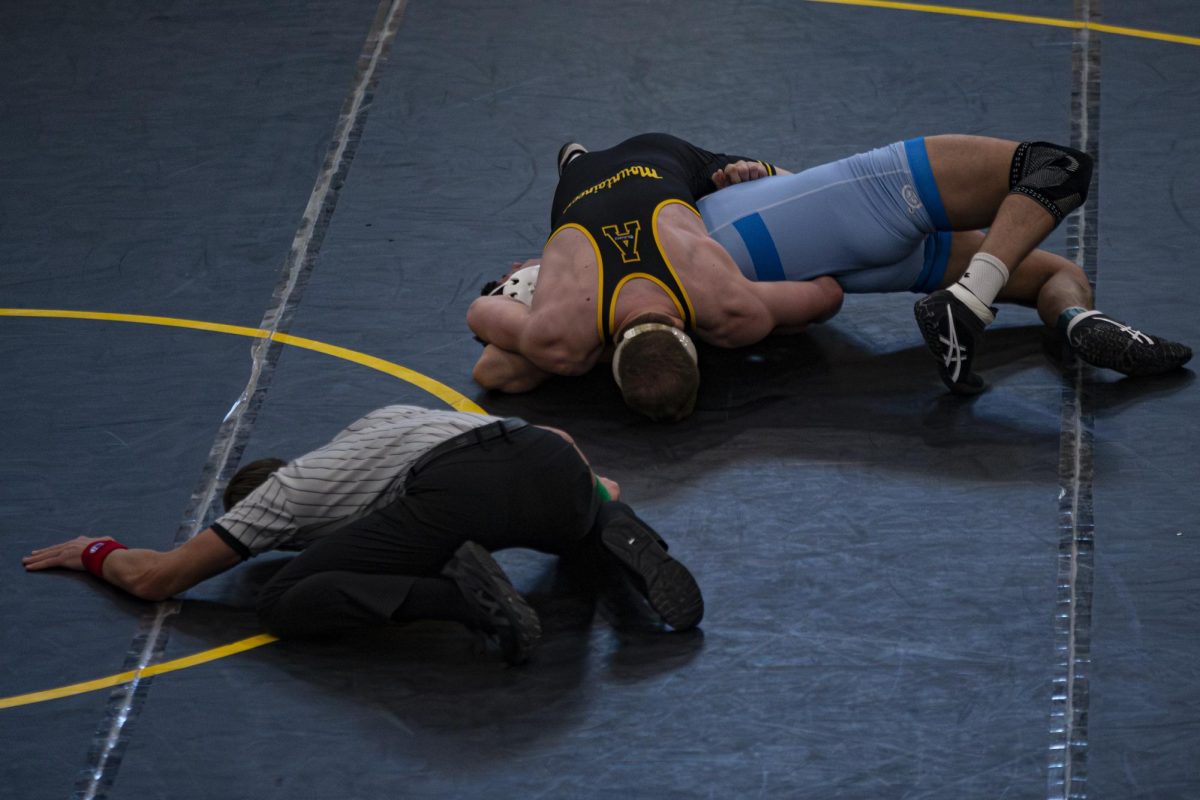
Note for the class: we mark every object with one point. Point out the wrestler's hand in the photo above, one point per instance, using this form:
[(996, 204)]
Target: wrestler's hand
[(66, 554), (738, 172)]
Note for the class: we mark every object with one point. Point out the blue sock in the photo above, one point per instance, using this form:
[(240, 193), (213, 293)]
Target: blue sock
[(1064, 319)]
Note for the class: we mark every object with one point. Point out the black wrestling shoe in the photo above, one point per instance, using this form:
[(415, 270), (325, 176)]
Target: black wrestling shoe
[(665, 583), (1104, 342), (499, 609), (952, 331), (568, 153)]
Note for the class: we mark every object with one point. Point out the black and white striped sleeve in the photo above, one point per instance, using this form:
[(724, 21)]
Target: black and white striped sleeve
[(260, 522)]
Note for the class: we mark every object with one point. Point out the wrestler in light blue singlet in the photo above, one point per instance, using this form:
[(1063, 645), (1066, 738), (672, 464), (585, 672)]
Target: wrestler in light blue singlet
[(875, 221)]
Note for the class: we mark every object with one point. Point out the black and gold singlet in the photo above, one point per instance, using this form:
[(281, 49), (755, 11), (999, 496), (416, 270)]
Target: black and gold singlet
[(614, 197)]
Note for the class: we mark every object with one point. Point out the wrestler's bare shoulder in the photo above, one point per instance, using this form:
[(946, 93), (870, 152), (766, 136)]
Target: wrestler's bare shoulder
[(692, 251), (570, 254)]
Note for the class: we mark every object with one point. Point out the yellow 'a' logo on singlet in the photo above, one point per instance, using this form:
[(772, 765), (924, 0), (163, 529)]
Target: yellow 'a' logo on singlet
[(625, 238)]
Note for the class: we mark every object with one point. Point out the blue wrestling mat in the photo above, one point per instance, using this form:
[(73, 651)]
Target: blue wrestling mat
[(232, 228)]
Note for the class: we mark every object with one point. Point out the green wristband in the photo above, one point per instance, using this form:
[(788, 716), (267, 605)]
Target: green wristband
[(605, 497)]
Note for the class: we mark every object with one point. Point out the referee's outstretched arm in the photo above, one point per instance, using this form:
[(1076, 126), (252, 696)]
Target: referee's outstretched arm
[(148, 574)]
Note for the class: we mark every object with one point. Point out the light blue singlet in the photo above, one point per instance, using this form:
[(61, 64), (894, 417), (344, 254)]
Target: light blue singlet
[(874, 221)]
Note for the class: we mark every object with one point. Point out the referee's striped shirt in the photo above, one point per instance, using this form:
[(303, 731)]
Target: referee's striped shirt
[(362, 469)]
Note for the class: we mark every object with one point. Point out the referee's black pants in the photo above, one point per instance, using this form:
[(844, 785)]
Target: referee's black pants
[(503, 488)]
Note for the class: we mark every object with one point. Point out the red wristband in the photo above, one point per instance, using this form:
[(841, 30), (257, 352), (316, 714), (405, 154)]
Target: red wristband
[(94, 554)]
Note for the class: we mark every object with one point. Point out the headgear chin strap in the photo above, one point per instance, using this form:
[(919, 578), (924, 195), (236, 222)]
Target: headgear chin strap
[(637, 330)]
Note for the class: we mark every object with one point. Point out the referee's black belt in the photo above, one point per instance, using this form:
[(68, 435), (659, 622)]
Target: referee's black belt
[(484, 433)]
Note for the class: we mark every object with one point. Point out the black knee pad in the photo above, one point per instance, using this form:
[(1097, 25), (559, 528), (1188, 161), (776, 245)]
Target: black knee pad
[(1056, 177)]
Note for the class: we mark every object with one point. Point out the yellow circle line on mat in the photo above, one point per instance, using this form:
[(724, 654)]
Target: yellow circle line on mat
[(435, 388), (215, 653), (1052, 22), (438, 390)]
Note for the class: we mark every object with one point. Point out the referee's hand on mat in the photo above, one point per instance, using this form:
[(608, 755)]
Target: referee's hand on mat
[(65, 554)]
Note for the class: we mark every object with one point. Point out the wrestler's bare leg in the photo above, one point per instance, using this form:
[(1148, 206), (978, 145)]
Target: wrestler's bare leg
[(1042, 280), (972, 174), (974, 178)]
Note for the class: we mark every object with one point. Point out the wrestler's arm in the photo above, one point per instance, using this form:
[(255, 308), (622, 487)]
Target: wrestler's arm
[(522, 352), (500, 322), (745, 312), (504, 371), (794, 305)]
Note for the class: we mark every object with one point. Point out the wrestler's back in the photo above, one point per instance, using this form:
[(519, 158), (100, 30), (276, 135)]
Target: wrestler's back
[(567, 296), (633, 206)]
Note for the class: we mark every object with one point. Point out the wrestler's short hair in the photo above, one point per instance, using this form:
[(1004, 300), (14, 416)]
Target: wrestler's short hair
[(655, 366), (249, 478)]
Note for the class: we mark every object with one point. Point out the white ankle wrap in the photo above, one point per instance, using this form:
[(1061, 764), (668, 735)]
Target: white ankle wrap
[(985, 277)]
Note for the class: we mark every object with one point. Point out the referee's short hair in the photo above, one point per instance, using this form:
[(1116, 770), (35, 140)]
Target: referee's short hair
[(249, 478)]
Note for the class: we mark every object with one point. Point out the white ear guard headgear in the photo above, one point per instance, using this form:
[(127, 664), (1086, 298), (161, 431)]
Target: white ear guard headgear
[(520, 285), (637, 330)]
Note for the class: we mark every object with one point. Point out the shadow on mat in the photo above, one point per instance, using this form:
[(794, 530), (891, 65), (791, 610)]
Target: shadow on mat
[(439, 677), (821, 397)]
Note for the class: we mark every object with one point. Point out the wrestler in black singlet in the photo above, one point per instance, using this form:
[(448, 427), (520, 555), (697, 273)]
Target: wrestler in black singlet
[(614, 196)]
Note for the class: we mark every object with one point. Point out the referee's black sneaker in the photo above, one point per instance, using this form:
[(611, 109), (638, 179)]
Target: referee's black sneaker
[(665, 583), (499, 608), (952, 331), (1105, 342)]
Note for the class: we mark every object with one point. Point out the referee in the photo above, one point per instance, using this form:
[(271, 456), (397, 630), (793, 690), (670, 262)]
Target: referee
[(396, 519)]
